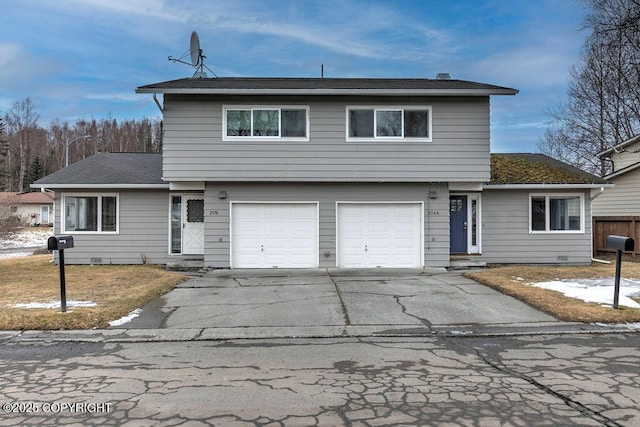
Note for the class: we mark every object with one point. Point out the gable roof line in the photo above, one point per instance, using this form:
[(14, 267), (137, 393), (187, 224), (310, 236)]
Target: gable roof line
[(325, 86), (380, 92), (623, 144)]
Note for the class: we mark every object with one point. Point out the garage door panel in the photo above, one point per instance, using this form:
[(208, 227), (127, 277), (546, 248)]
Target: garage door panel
[(380, 235), (266, 235)]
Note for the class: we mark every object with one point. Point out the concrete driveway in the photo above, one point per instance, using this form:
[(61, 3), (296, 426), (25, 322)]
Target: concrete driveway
[(328, 303)]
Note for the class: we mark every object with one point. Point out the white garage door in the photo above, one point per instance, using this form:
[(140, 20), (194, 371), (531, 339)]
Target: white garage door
[(274, 235), (380, 235)]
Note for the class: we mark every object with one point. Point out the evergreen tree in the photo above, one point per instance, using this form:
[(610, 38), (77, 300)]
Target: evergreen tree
[(36, 171)]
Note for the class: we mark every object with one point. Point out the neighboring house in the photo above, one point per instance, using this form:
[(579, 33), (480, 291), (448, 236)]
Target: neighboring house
[(617, 211), (307, 172), (33, 208), (624, 198)]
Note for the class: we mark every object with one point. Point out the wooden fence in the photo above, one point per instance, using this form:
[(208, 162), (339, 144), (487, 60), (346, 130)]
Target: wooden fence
[(619, 225)]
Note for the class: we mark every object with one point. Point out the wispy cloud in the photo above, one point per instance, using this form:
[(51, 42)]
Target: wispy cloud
[(9, 53), (141, 8), (85, 57), (115, 96)]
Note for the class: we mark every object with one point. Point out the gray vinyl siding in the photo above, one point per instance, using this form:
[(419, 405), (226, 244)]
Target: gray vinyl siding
[(143, 232), (630, 155), (217, 231), (194, 150), (506, 237), (621, 200)]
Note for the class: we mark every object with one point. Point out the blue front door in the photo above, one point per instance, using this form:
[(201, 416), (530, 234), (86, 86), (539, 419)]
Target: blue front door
[(458, 224)]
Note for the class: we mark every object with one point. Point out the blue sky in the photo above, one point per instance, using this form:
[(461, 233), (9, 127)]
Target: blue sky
[(84, 58)]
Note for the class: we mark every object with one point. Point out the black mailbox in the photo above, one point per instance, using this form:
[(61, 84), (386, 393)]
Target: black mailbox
[(56, 243), (620, 243)]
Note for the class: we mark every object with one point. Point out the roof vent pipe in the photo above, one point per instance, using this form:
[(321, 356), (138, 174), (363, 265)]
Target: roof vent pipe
[(443, 76)]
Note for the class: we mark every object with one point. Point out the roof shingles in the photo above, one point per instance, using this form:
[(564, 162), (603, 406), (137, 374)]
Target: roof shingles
[(524, 168), (110, 168), (146, 168)]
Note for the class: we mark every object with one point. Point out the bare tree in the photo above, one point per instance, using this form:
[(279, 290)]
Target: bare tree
[(22, 122), (4, 149), (10, 223), (603, 107)]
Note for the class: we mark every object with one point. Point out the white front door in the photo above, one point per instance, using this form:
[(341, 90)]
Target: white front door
[(379, 235), (193, 225), (274, 235), (44, 214)]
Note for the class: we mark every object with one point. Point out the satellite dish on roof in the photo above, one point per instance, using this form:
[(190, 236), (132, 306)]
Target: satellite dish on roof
[(196, 52), (197, 57)]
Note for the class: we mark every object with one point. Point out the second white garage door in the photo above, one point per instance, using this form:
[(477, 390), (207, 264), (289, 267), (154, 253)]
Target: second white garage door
[(274, 235), (379, 235)]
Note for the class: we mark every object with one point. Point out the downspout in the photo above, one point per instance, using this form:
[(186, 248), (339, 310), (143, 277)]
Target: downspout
[(598, 194), (155, 99), (47, 192), (595, 196)]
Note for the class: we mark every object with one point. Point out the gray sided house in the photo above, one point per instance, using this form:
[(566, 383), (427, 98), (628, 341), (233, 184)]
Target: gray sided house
[(624, 199), (307, 173)]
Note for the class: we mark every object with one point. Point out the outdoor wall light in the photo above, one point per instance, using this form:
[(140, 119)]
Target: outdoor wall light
[(433, 194), (222, 195)]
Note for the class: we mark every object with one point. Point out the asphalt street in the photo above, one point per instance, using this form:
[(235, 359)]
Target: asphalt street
[(586, 379)]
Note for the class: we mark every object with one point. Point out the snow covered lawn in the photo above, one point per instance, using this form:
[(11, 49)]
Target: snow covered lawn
[(596, 290), (24, 243), (28, 238), (571, 293)]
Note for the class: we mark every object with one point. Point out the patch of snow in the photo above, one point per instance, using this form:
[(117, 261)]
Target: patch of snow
[(126, 319), (596, 290), (620, 325), (54, 304), (28, 238), (14, 254)]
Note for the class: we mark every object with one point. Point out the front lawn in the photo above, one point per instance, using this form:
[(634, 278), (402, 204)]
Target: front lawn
[(516, 281), (116, 291)]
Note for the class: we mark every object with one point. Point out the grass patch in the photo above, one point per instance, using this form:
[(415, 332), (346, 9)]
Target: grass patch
[(503, 279), (117, 290)]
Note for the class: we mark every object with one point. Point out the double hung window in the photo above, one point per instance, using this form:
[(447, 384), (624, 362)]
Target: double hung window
[(556, 213), (371, 123), (243, 122), (90, 213)]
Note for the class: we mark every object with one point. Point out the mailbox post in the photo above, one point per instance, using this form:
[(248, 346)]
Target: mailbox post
[(60, 243), (619, 243)]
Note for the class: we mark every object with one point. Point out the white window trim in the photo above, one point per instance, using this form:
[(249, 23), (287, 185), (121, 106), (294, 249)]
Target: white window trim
[(377, 108), (278, 107), (63, 216), (547, 220)]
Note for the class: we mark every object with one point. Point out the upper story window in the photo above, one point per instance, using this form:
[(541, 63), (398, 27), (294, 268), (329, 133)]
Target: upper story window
[(388, 123), (556, 213), (247, 122), (92, 213)]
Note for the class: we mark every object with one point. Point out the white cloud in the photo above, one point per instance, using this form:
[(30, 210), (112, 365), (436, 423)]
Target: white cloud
[(115, 96), (9, 53), (146, 8), (525, 65)]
